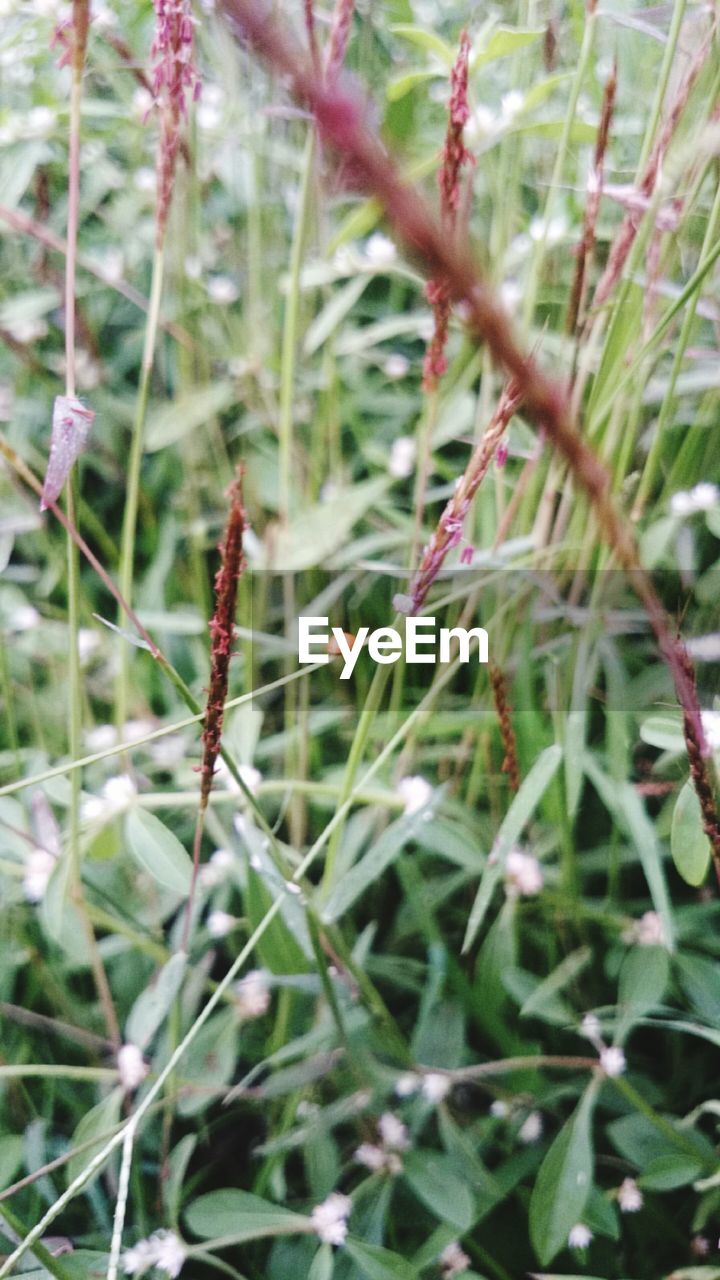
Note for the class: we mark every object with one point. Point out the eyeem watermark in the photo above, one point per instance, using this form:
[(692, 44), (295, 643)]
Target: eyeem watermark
[(421, 643)]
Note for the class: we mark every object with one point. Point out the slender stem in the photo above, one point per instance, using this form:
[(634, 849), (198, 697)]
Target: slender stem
[(121, 1202), (290, 328), (127, 544)]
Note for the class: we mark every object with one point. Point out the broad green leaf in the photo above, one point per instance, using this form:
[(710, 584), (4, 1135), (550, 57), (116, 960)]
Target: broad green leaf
[(566, 971), (240, 1216), (665, 1173), (368, 870), (689, 845), (663, 731), (643, 980), (699, 978), (332, 315), (401, 85), (312, 536), (153, 1004), (209, 1062), (322, 1263), (171, 422), (96, 1125), (435, 1180), (424, 39), (377, 1263), (503, 42), (11, 1154), (563, 1184), (622, 800), (521, 810), (177, 1165), (158, 851)]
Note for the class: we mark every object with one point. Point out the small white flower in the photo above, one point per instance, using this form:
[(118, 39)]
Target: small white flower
[(41, 120), (551, 232), (132, 1067), (531, 1128), (145, 179), (511, 104), (704, 497), (220, 924), (193, 267), (435, 1086), (612, 1061), (169, 1253), (137, 1260), (329, 1219), (648, 931), (402, 458), (252, 994), (499, 1109), (222, 290), (407, 1084), (251, 776), (88, 643), (580, 1236), (453, 1260), (415, 792), (481, 126), (142, 103), (396, 366), (629, 1196), (523, 874), (510, 295), (380, 251), (23, 618), (590, 1029), (711, 729), (371, 1156), (119, 791), (101, 738), (39, 866), (393, 1132)]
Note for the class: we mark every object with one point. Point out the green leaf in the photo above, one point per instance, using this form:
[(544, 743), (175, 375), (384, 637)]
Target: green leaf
[(332, 315), (663, 731), (400, 85), (311, 536), (240, 1215), (385, 851), (153, 1004), (424, 39), (11, 1154), (435, 1180), (521, 810), (643, 980), (565, 973), (172, 422), (209, 1062), (158, 851), (564, 1182), (377, 1263), (178, 1162), (689, 845), (665, 1173), (699, 978), (96, 1125), (503, 42)]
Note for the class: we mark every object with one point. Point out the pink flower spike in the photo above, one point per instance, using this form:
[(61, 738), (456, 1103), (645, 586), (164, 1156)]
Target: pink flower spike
[(501, 454), (467, 553), (71, 425)]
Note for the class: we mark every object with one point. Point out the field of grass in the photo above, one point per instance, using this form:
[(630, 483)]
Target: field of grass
[(367, 312)]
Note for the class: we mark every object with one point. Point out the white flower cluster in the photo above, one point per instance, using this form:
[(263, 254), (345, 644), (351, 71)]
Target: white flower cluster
[(402, 458), (132, 1067), (329, 1219), (433, 1085), (523, 875), (612, 1058), (453, 1261), (116, 795), (252, 994), (415, 792), (687, 502), (385, 1156), (39, 866), (163, 1250), (580, 1236), (711, 729), (217, 868), (629, 1196), (648, 931)]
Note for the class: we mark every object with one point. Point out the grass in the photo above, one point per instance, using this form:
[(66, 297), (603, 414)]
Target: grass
[(477, 900)]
